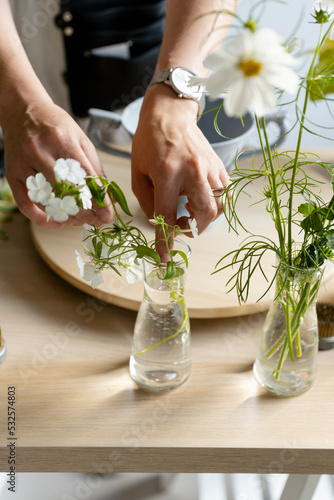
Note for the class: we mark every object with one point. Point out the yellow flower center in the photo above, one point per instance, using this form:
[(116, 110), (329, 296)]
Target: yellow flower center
[(250, 67)]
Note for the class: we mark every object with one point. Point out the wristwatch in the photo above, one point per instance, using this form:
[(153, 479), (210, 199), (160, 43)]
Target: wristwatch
[(178, 79)]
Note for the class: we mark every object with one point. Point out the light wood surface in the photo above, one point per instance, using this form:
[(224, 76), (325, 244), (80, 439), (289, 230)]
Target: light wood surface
[(79, 410), (206, 294)]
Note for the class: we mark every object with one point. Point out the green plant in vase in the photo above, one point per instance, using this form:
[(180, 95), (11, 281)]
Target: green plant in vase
[(160, 357), (253, 69)]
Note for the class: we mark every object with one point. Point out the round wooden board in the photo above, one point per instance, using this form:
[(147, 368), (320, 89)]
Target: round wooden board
[(206, 294)]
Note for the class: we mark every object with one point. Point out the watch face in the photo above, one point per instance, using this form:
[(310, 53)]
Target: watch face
[(179, 79)]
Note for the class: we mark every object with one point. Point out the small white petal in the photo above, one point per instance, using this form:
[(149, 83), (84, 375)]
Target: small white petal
[(69, 204), (30, 182), (193, 227), (60, 169), (97, 280), (86, 197), (80, 263), (88, 271), (326, 5)]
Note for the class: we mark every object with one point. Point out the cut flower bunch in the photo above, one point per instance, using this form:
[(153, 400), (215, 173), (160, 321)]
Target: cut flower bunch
[(253, 70), (120, 247)]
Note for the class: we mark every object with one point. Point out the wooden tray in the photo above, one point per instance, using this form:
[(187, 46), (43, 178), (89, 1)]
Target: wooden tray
[(206, 295)]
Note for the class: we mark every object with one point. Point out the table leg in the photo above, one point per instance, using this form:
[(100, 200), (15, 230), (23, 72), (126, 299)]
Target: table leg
[(300, 487), (212, 487)]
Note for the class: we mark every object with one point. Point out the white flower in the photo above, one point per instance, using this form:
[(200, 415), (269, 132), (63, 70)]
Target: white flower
[(134, 269), (86, 197), (134, 272), (249, 68), (193, 228), (326, 6), (88, 272), (61, 208), (39, 189), (69, 170)]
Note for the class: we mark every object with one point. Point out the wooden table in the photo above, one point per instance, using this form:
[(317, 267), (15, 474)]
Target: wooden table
[(78, 409)]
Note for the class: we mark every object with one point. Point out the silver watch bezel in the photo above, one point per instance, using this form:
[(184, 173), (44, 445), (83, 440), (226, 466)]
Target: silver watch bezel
[(169, 77), (190, 94)]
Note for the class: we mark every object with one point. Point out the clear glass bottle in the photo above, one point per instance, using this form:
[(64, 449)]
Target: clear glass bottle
[(286, 360), (160, 358)]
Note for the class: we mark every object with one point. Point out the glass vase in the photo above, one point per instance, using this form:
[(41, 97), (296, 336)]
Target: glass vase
[(3, 348), (286, 360), (160, 358)]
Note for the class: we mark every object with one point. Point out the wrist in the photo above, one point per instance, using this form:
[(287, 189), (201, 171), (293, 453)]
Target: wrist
[(16, 104), (161, 98)]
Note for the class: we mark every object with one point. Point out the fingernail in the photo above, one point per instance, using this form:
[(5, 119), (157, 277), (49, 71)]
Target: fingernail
[(104, 215)]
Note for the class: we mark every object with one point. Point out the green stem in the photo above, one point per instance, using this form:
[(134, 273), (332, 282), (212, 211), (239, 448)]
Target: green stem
[(272, 180), (307, 297), (288, 331), (299, 140), (184, 324)]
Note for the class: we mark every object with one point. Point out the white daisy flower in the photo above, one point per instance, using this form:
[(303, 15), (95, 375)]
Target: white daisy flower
[(69, 170), (326, 6), (86, 197), (249, 68), (88, 272), (61, 208), (39, 189)]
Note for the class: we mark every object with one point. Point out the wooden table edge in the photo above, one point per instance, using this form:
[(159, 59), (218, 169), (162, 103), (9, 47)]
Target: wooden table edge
[(164, 459)]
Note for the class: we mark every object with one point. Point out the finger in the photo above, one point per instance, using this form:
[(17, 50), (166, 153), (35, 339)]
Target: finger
[(31, 210), (166, 197), (104, 214), (218, 193), (88, 217), (201, 205), (142, 188)]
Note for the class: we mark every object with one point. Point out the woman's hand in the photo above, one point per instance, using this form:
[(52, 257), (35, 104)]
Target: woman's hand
[(172, 158), (35, 137)]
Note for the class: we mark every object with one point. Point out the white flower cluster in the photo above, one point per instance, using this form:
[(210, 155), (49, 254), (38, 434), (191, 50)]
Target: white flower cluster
[(40, 190), (90, 271)]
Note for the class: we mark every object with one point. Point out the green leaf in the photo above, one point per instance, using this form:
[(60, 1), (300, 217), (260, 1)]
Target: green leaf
[(305, 209), (119, 196), (323, 81), (181, 254), (326, 214), (143, 251), (170, 271), (312, 222), (97, 191)]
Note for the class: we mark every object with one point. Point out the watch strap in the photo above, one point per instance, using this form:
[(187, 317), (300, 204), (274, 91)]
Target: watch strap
[(162, 76)]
